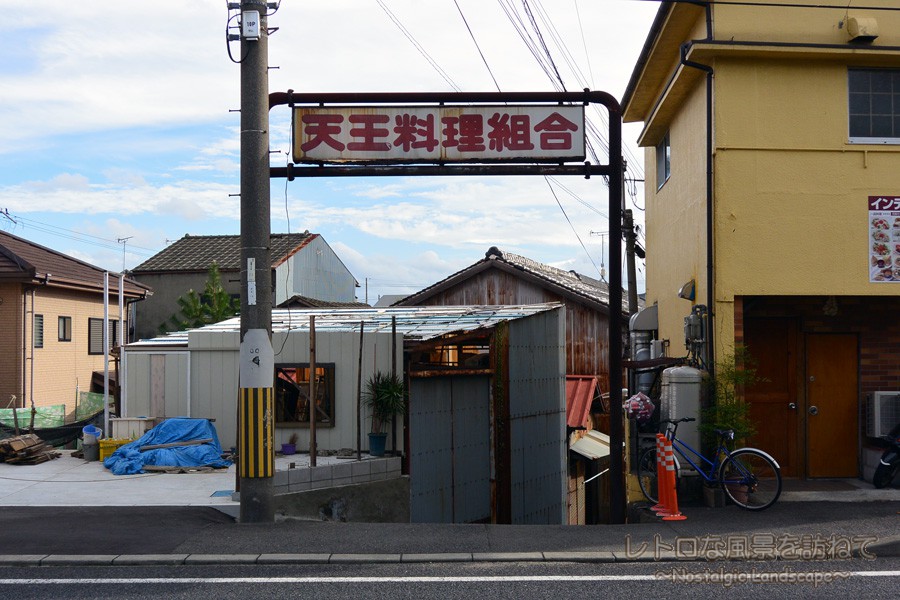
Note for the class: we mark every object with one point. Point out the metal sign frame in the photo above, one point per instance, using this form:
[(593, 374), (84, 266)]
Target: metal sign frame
[(614, 171)]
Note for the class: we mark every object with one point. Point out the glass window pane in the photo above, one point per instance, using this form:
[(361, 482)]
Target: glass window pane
[(881, 81), (859, 127), (859, 104), (881, 104), (882, 127), (859, 80)]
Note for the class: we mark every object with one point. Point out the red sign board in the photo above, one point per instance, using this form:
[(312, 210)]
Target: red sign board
[(439, 134)]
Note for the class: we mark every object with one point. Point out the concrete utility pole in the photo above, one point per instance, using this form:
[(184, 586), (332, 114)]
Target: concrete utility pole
[(629, 261), (256, 452)]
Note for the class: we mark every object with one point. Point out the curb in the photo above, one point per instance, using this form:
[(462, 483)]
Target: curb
[(887, 548)]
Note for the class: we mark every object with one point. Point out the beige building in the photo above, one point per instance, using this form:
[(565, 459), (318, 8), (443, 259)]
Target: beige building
[(51, 323), (772, 137)]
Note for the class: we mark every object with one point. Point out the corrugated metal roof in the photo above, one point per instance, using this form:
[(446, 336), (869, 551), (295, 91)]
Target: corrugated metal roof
[(593, 445), (198, 252), (414, 322), (580, 391)]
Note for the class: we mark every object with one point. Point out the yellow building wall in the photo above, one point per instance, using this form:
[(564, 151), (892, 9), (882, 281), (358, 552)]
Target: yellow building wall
[(791, 24), (676, 221), (791, 193)]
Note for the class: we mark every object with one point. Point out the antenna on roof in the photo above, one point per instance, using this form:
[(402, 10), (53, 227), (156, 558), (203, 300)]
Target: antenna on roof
[(5, 213), (123, 241), (602, 235)]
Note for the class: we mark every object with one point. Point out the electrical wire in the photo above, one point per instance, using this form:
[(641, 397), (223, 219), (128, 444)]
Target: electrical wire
[(228, 40), (477, 47), (578, 237), (418, 46), (78, 236)]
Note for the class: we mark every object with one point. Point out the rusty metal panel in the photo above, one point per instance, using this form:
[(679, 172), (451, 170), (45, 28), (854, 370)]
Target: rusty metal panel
[(449, 449), (538, 419)]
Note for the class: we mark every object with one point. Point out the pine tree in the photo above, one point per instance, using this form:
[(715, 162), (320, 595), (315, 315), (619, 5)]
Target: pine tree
[(195, 310)]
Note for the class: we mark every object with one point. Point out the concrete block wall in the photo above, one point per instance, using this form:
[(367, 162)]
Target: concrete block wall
[(329, 476)]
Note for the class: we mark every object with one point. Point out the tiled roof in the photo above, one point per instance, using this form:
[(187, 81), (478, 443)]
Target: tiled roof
[(298, 301), (198, 252), (576, 284), (22, 260)]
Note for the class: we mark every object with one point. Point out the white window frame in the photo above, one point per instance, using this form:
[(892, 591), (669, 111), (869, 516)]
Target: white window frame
[(663, 161), (895, 109)]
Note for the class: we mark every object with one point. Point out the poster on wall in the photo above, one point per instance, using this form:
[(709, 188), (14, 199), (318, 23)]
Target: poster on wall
[(884, 239)]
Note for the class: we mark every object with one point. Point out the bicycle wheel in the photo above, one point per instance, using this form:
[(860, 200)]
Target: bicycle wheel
[(646, 470), (751, 479)]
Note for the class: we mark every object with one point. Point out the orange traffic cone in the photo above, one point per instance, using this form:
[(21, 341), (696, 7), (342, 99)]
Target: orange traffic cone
[(671, 513), (661, 496)]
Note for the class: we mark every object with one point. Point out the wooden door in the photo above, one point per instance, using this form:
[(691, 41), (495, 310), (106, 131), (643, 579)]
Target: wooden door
[(832, 392), (774, 407)]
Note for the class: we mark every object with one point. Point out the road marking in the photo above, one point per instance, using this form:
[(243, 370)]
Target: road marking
[(430, 579)]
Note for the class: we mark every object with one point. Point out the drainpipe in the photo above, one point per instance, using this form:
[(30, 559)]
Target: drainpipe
[(710, 271), (31, 379)]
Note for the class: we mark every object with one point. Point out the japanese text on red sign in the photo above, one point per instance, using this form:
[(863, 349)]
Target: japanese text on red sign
[(444, 134)]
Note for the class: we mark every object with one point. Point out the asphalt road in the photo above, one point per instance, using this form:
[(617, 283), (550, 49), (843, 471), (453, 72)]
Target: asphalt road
[(848, 579)]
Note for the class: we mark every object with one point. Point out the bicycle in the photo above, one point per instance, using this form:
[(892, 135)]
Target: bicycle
[(748, 476)]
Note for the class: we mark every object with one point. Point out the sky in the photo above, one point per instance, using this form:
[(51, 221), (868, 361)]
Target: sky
[(119, 129)]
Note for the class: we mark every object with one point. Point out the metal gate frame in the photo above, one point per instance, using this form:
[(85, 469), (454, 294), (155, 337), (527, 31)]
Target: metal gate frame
[(614, 171)]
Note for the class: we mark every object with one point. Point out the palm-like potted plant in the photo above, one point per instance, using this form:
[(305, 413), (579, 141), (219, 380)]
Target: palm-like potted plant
[(385, 394), (729, 410)]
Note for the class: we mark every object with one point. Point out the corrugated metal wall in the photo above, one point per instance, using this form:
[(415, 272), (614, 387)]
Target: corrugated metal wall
[(450, 457), (315, 272), (213, 381), (537, 392)]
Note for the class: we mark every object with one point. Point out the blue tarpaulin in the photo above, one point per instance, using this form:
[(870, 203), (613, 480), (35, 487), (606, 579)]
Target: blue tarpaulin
[(129, 459)]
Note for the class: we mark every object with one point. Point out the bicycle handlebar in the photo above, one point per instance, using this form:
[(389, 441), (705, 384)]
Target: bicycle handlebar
[(677, 421)]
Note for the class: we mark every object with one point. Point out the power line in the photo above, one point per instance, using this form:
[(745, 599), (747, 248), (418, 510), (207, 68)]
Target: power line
[(418, 46), (480, 53), (78, 236)]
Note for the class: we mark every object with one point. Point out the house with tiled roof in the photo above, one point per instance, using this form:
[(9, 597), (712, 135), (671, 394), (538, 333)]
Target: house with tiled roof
[(303, 264), (40, 288)]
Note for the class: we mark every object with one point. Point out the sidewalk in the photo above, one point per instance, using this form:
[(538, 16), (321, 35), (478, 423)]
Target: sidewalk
[(68, 511)]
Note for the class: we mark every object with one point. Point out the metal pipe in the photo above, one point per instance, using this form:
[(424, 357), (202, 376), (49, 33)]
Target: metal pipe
[(319, 98), (106, 353), (293, 171)]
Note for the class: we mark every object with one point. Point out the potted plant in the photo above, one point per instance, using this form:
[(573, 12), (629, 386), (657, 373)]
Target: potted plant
[(385, 394), (290, 447), (728, 410)]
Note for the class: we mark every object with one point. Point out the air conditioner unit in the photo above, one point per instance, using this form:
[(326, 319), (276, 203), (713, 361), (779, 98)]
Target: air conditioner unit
[(882, 413)]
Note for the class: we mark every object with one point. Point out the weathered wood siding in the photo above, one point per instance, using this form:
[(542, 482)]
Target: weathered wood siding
[(587, 329)]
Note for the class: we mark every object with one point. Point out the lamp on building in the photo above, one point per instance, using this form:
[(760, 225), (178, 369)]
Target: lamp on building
[(687, 291), (862, 30)]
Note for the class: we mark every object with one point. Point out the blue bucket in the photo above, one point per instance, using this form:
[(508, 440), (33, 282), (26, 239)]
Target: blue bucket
[(91, 435)]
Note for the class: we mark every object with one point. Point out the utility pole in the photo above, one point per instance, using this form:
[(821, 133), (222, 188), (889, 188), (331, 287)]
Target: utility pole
[(256, 451), (630, 240)]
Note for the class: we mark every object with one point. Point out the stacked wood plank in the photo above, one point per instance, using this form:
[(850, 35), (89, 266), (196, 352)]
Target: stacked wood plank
[(26, 449)]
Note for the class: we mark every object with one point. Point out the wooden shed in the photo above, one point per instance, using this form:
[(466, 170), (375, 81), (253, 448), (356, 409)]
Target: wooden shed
[(504, 278)]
